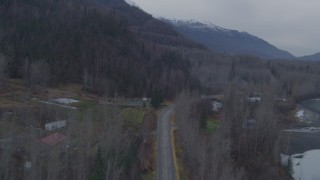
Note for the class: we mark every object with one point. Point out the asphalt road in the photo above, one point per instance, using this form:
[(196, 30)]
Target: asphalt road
[(165, 161)]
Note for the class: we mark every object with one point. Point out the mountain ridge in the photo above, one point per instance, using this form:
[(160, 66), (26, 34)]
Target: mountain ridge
[(227, 40), (312, 57), (148, 27)]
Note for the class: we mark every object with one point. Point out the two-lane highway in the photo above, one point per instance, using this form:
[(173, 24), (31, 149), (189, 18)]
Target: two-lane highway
[(165, 161)]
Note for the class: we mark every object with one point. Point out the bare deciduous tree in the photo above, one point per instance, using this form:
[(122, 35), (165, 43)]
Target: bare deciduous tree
[(39, 75), (3, 66), (208, 156)]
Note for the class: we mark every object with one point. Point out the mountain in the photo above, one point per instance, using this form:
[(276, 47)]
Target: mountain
[(148, 27), (107, 45), (313, 57), (226, 40)]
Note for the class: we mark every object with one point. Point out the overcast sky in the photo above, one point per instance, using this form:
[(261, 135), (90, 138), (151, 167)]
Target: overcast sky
[(291, 25)]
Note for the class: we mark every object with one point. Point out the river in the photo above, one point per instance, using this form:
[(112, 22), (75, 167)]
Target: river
[(304, 146)]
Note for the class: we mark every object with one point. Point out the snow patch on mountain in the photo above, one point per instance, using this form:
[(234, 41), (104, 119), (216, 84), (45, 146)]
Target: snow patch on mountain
[(131, 3), (227, 40), (198, 25), (206, 26)]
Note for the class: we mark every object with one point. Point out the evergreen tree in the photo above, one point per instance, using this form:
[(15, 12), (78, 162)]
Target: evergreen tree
[(289, 167), (156, 98), (98, 172)]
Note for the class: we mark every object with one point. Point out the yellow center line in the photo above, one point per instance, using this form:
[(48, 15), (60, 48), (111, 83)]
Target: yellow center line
[(176, 168), (165, 157)]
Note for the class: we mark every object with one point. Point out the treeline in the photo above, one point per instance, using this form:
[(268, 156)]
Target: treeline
[(82, 42), (291, 79)]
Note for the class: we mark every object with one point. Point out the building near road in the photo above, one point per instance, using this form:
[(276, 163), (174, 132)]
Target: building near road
[(249, 124), (216, 106), (55, 125), (254, 99), (146, 99), (134, 103), (53, 139), (27, 164)]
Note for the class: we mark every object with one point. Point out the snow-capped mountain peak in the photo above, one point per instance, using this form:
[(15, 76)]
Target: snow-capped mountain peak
[(198, 25), (226, 40), (131, 3)]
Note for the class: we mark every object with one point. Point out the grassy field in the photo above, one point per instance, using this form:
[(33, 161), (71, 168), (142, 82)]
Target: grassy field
[(133, 117), (212, 125), (25, 111), (148, 176)]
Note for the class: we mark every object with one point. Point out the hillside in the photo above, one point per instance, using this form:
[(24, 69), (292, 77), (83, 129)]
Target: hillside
[(146, 26), (100, 44), (228, 41), (313, 57), (60, 62)]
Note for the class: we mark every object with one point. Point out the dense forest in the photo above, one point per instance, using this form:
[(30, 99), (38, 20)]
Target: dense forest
[(89, 43), (112, 50), (292, 79)]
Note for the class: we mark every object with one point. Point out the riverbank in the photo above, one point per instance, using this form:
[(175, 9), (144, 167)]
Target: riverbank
[(304, 141)]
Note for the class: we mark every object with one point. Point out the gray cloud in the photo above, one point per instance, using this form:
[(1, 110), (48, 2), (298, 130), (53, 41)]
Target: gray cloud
[(292, 25)]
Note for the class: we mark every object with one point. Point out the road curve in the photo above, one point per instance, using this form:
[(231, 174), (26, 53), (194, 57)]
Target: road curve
[(165, 161)]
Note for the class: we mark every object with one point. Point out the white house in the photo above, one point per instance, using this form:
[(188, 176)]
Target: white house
[(254, 99), (27, 164), (250, 124), (55, 125), (216, 106), (145, 99)]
